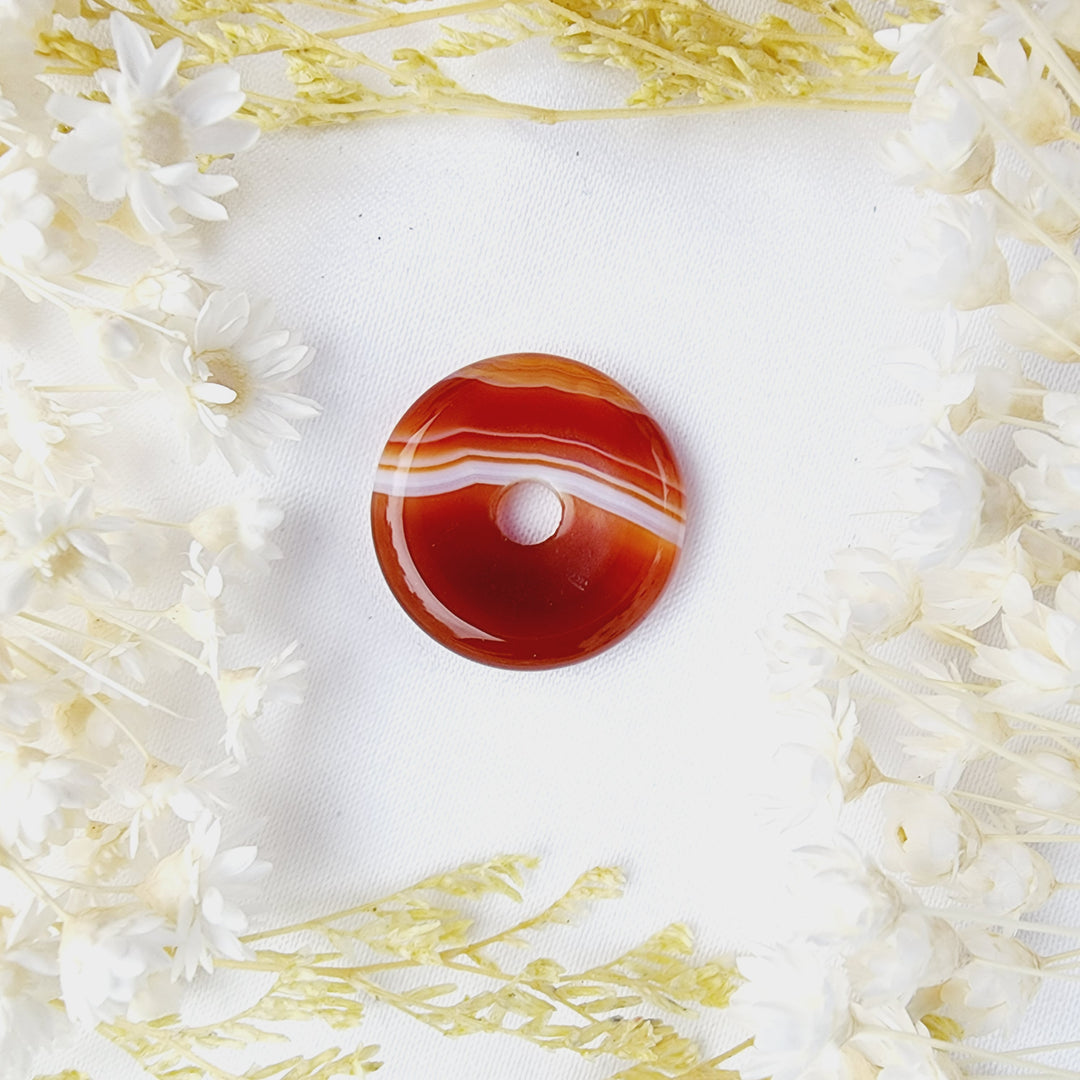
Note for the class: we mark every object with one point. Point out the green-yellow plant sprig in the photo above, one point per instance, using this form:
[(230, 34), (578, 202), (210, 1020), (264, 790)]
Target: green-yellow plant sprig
[(684, 55), (327, 967)]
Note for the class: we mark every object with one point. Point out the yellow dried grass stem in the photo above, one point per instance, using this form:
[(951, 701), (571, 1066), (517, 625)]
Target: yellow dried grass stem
[(685, 56)]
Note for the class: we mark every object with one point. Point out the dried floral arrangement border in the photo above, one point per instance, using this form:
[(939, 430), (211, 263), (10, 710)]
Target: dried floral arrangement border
[(918, 947)]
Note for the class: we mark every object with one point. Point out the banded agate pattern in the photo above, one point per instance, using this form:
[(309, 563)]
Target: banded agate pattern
[(450, 459)]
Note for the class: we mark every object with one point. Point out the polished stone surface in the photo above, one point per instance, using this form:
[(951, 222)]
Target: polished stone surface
[(451, 459)]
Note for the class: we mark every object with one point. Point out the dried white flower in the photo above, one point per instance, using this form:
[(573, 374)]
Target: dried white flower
[(985, 581), (246, 692), (938, 50), (170, 290), (942, 381), (197, 889), (28, 968), (1062, 20), (21, 704), (201, 612), (239, 533), (235, 385), (822, 763), (106, 958), (915, 951), (883, 594), (848, 902), (33, 239), (1006, 877), (954, 259), (891, 1041), (956, 503), (1039, 792), (142, 143), (1045, 317), (946, 148), (1042, 208), (984, 997), (797, 1001), (1040, 665), (184, 792), (52, 443), (1032, 107), (42, 796), (804, 650), (928, 840), (60, 543), (957, 729)]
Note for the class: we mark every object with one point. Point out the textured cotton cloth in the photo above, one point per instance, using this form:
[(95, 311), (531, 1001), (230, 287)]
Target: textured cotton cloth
[(731, 272)]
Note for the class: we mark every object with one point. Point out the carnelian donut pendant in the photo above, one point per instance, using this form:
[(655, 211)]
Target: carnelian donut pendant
[(450, 464)]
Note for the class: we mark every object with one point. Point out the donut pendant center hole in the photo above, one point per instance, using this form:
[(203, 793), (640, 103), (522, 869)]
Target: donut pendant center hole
[(528, 512)]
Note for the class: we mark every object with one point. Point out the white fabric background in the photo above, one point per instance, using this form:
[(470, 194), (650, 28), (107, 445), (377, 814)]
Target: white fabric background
[(730, 271)]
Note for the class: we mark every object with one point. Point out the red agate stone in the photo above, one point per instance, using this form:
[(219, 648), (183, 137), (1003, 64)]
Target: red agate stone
[(454, 455)]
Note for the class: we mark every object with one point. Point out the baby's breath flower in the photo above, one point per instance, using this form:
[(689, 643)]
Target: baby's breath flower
[(197, 889), (142, 142), (235, 384)]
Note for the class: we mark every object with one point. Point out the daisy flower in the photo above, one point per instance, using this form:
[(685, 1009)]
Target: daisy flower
[(59, 543), (38, 236), (246, 692), (39, 793), (197, 889), (142, 142), (239, 533), (106, 960), (236, 381)]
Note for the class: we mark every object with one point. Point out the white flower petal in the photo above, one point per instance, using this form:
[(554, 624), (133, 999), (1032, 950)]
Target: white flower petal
[(134, 49)]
